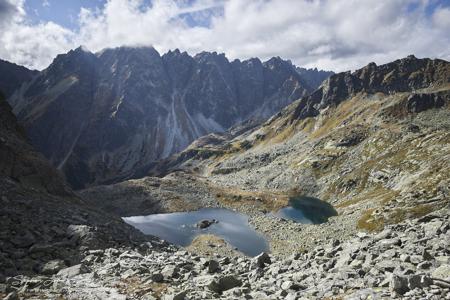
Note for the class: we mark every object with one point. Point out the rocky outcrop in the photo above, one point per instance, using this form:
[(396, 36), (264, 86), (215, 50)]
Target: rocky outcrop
[(404, 75), (314, 77), (417, 103), (99, 117)]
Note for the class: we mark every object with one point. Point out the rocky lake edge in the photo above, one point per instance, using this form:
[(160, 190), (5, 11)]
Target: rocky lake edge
[(410, 260)]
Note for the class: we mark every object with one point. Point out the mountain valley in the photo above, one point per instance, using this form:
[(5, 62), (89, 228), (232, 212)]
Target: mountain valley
[(130, 133)]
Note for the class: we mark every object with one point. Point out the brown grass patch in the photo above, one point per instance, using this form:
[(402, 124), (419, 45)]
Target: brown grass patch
[(134, 286), (369, 222), (263, 200)]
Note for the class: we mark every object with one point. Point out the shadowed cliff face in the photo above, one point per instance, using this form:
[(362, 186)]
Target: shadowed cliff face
[(12, 76), (20, 162), (42, 220), (99, 116)]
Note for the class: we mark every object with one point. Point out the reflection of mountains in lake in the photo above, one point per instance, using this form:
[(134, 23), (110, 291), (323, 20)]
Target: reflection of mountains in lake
[(307, 210), (180, 228)]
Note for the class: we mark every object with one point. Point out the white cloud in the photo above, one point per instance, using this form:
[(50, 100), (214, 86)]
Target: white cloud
[(32, 45), (337, 34)]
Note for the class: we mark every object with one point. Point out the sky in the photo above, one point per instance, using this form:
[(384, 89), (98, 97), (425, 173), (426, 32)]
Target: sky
[(336, 35)]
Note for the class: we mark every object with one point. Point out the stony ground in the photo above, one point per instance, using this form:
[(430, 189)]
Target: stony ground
[(410, 260)]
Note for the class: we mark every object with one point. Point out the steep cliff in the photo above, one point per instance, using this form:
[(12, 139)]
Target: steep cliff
[(44, 226), (98, 117)]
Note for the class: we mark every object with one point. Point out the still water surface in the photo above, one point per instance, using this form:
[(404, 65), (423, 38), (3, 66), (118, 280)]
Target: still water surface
[(180, 228)]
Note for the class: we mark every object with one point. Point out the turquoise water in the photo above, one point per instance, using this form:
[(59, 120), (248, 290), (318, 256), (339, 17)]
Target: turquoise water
[(180, 228), (307, 210)]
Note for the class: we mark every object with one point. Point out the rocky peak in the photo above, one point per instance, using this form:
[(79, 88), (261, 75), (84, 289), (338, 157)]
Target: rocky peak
[(403, 75), (179, 67), (278, 62), (72, 58), (76, 63), (98, 117), (314, 77), (131, 53)]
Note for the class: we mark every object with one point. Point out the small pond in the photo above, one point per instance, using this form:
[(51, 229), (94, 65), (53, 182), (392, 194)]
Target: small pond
[(307, 210), (181, 228)]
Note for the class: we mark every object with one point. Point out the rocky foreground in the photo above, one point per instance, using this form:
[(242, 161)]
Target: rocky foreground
[(410, 260)]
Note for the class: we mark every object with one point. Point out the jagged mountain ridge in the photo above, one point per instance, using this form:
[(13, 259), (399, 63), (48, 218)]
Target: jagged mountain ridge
[(403, 75), (12, 76), (99, 116), (314, 77)]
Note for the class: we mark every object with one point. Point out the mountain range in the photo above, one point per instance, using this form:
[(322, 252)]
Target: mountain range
[(98, 117), (373, 143)]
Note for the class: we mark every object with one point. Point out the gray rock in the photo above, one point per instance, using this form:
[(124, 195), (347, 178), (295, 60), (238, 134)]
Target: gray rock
[(442, 272), (425, 265), (290, 285), (157, 277), (170, 272), (426, 255), (52, 267), (419, 281), (224, 283), (403, 284), (73, 271), (262, 259), (213, 266), (399, 284), (178, 296), (206, 223)]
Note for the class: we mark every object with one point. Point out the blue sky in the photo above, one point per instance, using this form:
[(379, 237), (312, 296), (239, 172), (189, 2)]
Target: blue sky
[(329, 34), (65, 12), (62, 12)]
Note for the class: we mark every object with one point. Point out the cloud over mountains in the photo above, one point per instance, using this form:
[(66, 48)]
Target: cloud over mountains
[(337, 35)]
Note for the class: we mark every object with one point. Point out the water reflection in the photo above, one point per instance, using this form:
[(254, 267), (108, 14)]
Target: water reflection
[(181, 229), (307, 210)]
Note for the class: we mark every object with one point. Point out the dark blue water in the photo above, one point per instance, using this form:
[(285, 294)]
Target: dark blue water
[(307, 210), (180, 228)]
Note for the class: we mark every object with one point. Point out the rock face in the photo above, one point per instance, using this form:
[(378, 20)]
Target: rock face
[(20, 162), (403, 75), (97, 117), (44, 227), (405, 87), (12, 76), (314, 77)]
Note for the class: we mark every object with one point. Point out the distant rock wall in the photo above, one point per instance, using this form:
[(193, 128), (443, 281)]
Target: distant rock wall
[(99, 116)]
